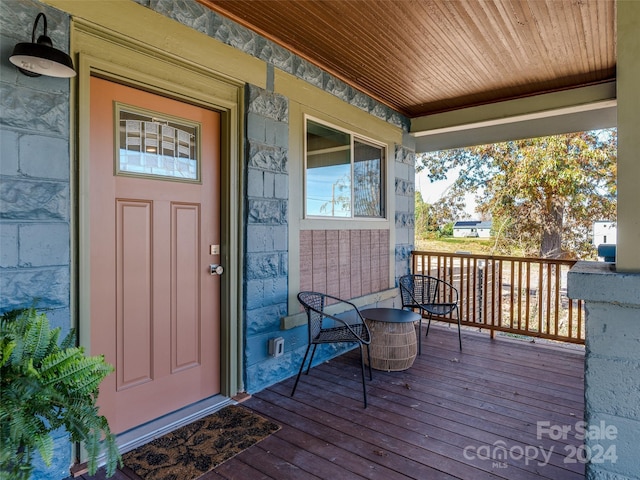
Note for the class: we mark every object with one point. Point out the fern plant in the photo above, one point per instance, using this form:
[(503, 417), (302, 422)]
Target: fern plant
[(47, 384)]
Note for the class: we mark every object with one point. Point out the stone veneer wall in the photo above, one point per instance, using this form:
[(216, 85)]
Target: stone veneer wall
[(202, 19), (266, 224), (266, 232), (405, 208), (35, 185)]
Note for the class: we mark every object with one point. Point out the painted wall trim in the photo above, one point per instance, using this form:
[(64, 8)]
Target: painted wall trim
[(519, 118), (514, 108), (114, 58), (176, 41), (576, 110), (348, 117)]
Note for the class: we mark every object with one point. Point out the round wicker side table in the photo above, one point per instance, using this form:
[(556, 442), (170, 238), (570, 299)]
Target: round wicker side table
[(394, 344)]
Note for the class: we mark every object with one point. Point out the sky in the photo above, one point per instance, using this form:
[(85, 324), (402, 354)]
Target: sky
[(432, 192)]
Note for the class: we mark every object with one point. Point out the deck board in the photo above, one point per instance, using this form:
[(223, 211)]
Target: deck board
[(419, 421)]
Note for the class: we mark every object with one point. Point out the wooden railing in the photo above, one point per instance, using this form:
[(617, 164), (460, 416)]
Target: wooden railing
[(522, 296)]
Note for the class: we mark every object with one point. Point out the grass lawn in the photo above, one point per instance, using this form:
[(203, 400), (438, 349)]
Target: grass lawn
[(451, 245)]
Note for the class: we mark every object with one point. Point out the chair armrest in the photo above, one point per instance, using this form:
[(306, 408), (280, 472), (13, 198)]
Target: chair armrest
[(454, 289), (349, 312)]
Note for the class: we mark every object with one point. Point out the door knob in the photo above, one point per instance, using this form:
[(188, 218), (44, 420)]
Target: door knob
[(216, 269)]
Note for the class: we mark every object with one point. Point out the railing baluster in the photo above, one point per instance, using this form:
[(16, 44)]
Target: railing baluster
[(557, 298), (511, 295), (519, 295), (548, 306), (491, 276), (570, 319), (580, 330), (498, 284), (464, 286), (540, 298), (480, 280), (527, 303), (474, 308)]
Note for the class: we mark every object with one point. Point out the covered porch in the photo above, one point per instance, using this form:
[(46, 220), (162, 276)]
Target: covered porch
[(419, 422), (492, 411)]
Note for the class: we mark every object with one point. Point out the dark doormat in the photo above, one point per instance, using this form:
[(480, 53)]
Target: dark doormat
[(195, 449)]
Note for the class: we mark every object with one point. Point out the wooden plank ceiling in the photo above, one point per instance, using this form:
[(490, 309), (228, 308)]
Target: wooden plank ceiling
[(427, 56)]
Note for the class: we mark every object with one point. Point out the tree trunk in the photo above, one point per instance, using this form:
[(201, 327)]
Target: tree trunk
[(551, 245)]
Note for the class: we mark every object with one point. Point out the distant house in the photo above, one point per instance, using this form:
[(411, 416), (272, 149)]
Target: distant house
[(604, 232), (472, 229)]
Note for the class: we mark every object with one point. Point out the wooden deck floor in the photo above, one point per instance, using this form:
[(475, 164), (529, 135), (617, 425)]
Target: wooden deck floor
[(470, 415)]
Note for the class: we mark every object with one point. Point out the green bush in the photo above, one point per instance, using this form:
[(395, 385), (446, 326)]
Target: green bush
[(44, 386), (446, 230)]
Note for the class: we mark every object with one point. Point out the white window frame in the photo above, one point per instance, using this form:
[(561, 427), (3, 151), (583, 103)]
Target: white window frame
[(383, 173)]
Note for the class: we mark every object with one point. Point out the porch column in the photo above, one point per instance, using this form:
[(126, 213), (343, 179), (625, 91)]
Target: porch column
[(612, 291), (628, 73), (612, 367)]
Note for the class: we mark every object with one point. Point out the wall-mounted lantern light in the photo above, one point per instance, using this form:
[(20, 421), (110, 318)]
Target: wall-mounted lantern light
[(40, 58)]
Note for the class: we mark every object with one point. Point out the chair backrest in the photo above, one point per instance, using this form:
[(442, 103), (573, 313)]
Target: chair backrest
[(313, 303), (423, 289), (418, 288)]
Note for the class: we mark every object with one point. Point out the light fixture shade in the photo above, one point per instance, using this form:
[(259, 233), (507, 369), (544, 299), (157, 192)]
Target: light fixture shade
[(40, 58)]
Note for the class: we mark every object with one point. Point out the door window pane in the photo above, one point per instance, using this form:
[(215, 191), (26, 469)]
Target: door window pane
[(155, 145)]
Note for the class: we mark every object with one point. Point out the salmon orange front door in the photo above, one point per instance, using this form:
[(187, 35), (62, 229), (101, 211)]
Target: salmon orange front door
[(153, 196)]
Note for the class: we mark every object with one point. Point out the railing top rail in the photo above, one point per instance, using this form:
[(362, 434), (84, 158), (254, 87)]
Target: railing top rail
[(520, 295), (496, 257)]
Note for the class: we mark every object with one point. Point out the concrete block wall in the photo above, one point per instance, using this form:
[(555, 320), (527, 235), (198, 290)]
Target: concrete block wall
[(34, 170), (35, 205), (266, 233), (612, 368), (405, 171)]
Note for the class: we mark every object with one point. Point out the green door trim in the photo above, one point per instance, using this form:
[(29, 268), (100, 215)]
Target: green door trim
[(114, 56)]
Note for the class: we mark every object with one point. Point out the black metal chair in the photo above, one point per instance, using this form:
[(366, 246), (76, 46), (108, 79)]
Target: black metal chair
[(348, 327), (430, 295)]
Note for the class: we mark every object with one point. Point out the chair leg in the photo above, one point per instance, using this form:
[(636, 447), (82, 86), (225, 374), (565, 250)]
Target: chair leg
[(419, 333), (364, 386), (428, 325), (369, 360), (295, 385), (459, 328), (315, 345)]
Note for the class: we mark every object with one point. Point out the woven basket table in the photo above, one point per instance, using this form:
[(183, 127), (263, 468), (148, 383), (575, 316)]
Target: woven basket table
[(393, 338)]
